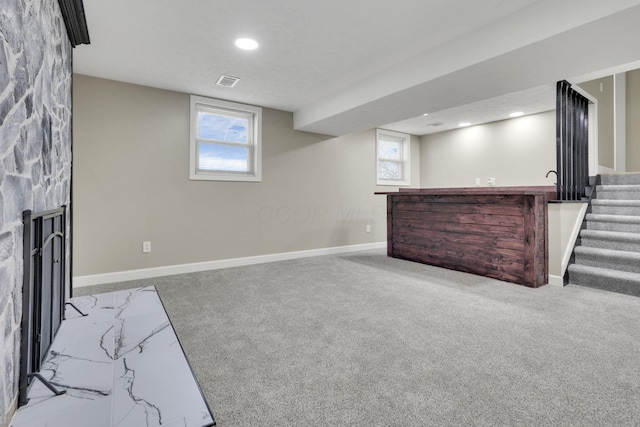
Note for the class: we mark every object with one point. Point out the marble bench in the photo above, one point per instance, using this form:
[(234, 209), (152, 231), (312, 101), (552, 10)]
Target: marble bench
[(121, 365)]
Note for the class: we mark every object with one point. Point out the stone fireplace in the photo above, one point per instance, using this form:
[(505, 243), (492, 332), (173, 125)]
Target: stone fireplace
[(35, 153)]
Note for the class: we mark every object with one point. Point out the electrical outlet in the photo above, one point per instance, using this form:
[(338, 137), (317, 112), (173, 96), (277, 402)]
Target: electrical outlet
[(491, 181), (368, 228), (146, 247), (478, 181)]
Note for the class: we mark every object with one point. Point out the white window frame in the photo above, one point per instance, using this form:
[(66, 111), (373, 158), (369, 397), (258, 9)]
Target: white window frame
[(405, 156), (199, 103)]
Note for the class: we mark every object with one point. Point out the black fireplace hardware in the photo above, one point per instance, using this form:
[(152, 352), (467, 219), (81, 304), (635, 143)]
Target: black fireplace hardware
[(75, 308), (46, 383), (43, 292)]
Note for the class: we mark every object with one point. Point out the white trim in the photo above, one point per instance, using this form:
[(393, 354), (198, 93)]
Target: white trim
[(605, 170), (593, 138), (573, 237), (226, 107), (405, 158), (556, 280), (169, 270), (592, 99), (605, 73)]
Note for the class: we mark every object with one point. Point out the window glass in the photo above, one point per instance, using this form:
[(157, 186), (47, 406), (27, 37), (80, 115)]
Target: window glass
[(389, 149), (389, 170), (225, 143), (392, 158), (222, 128), (223, 157)]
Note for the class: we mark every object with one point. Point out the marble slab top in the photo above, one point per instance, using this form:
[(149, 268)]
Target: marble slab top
[(121, 365)]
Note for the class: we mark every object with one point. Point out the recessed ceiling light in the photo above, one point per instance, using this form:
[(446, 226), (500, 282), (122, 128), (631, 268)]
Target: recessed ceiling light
[(464, 124), (516, 114), (247, 44), (425, 114)]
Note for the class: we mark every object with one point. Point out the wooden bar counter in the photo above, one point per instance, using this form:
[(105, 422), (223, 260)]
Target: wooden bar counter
[(498, 232)]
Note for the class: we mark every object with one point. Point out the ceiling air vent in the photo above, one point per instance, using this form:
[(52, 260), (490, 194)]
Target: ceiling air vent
[(434, 124), (227, 81)]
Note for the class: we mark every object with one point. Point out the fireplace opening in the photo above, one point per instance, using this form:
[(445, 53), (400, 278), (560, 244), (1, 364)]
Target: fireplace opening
[(43, 291)]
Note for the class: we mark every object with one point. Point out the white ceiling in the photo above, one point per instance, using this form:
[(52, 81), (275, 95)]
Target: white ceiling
[(530, 101), (347, 65)]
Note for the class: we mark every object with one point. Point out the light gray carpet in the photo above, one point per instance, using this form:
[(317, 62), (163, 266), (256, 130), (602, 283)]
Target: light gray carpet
[(366, 340), (607, 255)]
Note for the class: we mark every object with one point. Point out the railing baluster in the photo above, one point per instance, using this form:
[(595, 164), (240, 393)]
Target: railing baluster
[(559, 159), (572, 142)]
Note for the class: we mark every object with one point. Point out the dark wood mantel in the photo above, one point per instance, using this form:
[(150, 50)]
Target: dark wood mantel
[(498, 232)]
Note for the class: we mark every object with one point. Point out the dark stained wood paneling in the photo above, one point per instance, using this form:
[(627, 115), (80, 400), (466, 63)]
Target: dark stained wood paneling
[(484, 209), (484, 240), (530, 241), (516, 232), (498, 220), (389, 224), (510, 271), (496, 232), (501, 199)]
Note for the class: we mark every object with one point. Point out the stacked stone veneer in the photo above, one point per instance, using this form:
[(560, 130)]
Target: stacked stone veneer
[(35, 152)]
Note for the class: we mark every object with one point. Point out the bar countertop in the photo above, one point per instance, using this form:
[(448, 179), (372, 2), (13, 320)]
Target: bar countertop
[(498, 232), (550, 190)]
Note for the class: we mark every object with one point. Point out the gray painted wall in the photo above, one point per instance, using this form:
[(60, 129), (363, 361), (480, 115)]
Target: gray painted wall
[(606, 147), (131, 147), (515, 152), (35, 152), (633, 121)]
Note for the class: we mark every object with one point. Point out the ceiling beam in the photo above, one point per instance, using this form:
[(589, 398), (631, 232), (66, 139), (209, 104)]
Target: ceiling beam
[(482, 66)]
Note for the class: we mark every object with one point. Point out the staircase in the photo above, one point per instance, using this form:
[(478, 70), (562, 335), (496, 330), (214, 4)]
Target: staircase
[(607, 254)]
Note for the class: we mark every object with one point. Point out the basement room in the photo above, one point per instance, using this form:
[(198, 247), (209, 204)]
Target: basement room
[(287, 213)]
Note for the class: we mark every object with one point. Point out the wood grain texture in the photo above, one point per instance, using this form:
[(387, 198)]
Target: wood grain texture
[(498, 232)]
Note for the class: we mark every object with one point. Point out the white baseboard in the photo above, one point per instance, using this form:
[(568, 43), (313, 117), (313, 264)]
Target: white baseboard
[(556, 280), (169, 270), (603, 170)]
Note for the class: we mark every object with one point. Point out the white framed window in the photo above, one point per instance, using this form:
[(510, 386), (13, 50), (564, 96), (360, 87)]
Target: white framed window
[(392, 158), (225, 141)]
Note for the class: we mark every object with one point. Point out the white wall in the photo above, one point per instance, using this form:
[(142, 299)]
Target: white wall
[(603, 90), (565, 220), (518, 151), (131, 184)]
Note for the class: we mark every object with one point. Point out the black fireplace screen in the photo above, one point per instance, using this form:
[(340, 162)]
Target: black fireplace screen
[(43, 292)]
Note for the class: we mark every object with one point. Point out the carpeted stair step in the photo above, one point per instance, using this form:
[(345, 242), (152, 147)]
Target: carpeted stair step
[(615, 207), (608, 258), (610, 240), (602, 278), (618, 192), (621, 223), (623, 179)]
